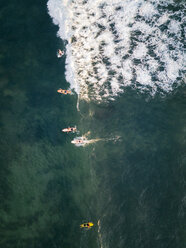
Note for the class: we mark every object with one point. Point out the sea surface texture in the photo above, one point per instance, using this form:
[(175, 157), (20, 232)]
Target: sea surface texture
[(124, 62), (115, 44)]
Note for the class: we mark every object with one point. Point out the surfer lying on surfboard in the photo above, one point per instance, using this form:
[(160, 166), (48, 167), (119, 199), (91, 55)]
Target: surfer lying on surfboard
[(69, 130), (87, 225), (79, 141), (65, 92)]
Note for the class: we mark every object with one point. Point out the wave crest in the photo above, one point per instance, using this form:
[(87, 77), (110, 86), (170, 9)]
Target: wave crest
[(116, 44)]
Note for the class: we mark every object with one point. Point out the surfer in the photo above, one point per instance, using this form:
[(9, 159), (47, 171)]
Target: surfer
[(69, 130), (87, 225), (79, 141), (60, 53), (65, 92)]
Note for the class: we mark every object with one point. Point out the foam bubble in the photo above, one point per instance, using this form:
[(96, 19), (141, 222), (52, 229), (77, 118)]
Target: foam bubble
[(147, 10), (140, 51)]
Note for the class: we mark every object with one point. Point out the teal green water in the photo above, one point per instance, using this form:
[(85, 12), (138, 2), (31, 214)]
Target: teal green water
[(135, 186)]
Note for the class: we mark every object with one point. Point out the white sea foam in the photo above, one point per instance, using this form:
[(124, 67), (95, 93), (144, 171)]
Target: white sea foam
[(114, 44)]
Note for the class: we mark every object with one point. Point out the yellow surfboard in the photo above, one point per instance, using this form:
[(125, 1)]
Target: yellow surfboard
[(87, 225)]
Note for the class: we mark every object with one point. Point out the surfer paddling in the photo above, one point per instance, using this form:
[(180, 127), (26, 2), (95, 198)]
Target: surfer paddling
[(65, 92), (60, 53), (69, 130), (79, 141), (87, 225)]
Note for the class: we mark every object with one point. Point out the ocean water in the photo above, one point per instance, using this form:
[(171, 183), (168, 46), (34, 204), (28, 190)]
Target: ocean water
[(125, 65)]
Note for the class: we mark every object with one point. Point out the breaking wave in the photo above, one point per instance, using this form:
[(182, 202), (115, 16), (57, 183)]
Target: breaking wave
[(115, 44)]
